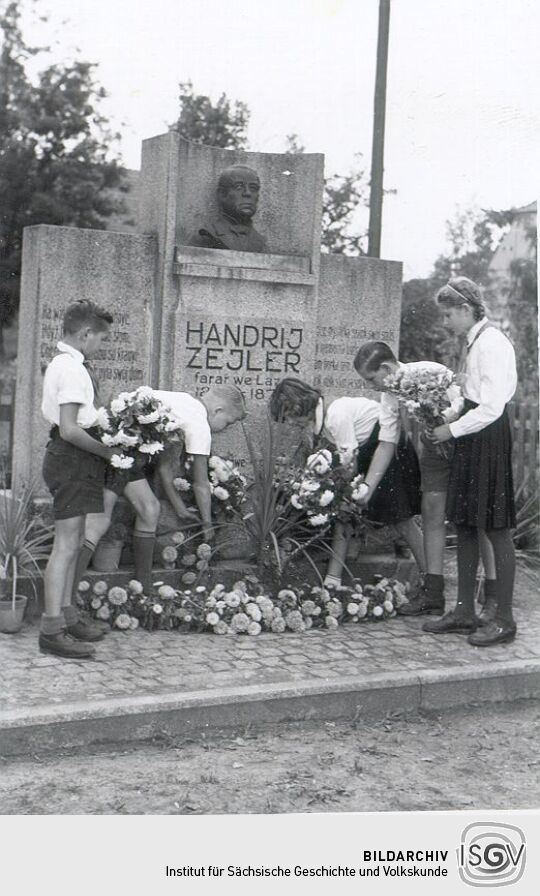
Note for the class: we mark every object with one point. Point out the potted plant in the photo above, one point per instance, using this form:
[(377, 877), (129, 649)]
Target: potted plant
[(109, 550), (25, 542)]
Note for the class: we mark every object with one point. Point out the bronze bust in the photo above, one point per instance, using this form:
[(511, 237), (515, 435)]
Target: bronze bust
[(232, 228)]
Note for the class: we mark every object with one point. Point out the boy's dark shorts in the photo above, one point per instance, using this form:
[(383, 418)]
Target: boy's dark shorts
[(116, 480), (75, 479), (435, 467)]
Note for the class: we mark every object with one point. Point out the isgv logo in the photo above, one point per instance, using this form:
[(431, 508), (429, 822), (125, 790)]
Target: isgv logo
[(491, 855)]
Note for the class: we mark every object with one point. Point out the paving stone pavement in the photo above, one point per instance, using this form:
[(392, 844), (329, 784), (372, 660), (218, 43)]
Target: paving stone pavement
[(164, 663)]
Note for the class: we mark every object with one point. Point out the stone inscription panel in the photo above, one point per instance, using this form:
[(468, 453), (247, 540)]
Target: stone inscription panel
[(253, 356), (336, 348)]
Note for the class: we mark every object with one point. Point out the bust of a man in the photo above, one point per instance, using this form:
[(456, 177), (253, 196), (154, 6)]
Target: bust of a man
[(232, 228)]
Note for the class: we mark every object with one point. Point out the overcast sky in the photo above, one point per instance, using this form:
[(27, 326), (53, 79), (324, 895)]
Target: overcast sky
[(463, 114)]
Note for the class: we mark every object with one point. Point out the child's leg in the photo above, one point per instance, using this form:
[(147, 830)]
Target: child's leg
[(411, 532), (340, 543), (487, 594), (433, 520), (505, 566), (147, 508), (462, 619), (67, 537), (95, 527)]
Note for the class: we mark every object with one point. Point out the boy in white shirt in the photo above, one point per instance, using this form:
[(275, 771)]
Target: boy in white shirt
[(74, 471), (215, 411)]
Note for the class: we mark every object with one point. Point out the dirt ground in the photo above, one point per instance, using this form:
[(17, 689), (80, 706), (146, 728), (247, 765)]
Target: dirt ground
[(484, 757)]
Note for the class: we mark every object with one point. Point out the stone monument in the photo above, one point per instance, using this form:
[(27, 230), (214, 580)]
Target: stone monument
[(265, 305)]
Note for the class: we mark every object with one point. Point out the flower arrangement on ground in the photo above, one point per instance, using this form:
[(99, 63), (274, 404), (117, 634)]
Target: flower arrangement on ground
[(246, 608), (139, 425)]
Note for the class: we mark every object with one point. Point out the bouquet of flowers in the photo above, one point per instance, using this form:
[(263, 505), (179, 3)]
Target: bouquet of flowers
[(137, 423), (323, 490), (227, 484), (431, 397)]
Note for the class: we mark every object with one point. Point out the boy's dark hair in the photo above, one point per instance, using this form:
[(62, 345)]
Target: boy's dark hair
[(372, 355), (462, 291), (86, 314), (293, 398)]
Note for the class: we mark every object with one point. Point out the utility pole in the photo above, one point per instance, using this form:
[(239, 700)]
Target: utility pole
[(377, 152)]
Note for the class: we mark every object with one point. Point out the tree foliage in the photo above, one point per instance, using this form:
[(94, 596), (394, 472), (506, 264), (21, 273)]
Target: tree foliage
[(223, 123), (56, 165)]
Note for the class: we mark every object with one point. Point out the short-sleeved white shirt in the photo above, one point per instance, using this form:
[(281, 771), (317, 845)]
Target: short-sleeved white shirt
[(191, 414), (390, 418), (67, 381), (349, 422)]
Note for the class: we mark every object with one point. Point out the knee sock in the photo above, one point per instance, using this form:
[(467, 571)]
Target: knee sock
[(85, 555), (71, 614), (505, 567), (52, 625), (434, 584), (468, 557), (490, 589), (143, 555)]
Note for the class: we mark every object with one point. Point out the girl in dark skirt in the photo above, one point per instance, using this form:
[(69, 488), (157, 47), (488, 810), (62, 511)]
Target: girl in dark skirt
[(352, 426), (480, 491)]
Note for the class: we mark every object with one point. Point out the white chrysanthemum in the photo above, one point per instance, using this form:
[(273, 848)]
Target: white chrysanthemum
[(352, 609), (240, 586), (121, 462), (181, 484), (143, 393), (221, 493), (102, 419), (220, 605), (278, 625), (204, 552), (169, 554), (378, 611), (294, 621), (296, 502), (218, 589), (331, 622), (286, 594), (151, 448), (310, 487), (118, 405), (200, 589), (152, 417), (212, 618), (122, 621), (254, 611), (166, 592), (240, 623), (318, 519), (83, 586), (189, 578), (326, 498), (126, 441), (133, 623), (100, 587), (388, 606), (103, 613), (254, 628), (135, 586), (308, 607), (232, 599), (117, 596), (189, 560), (178, 538), (108, 440), (95, 603), (221, 628), (210, 602), (157, 608), (362, 611)]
